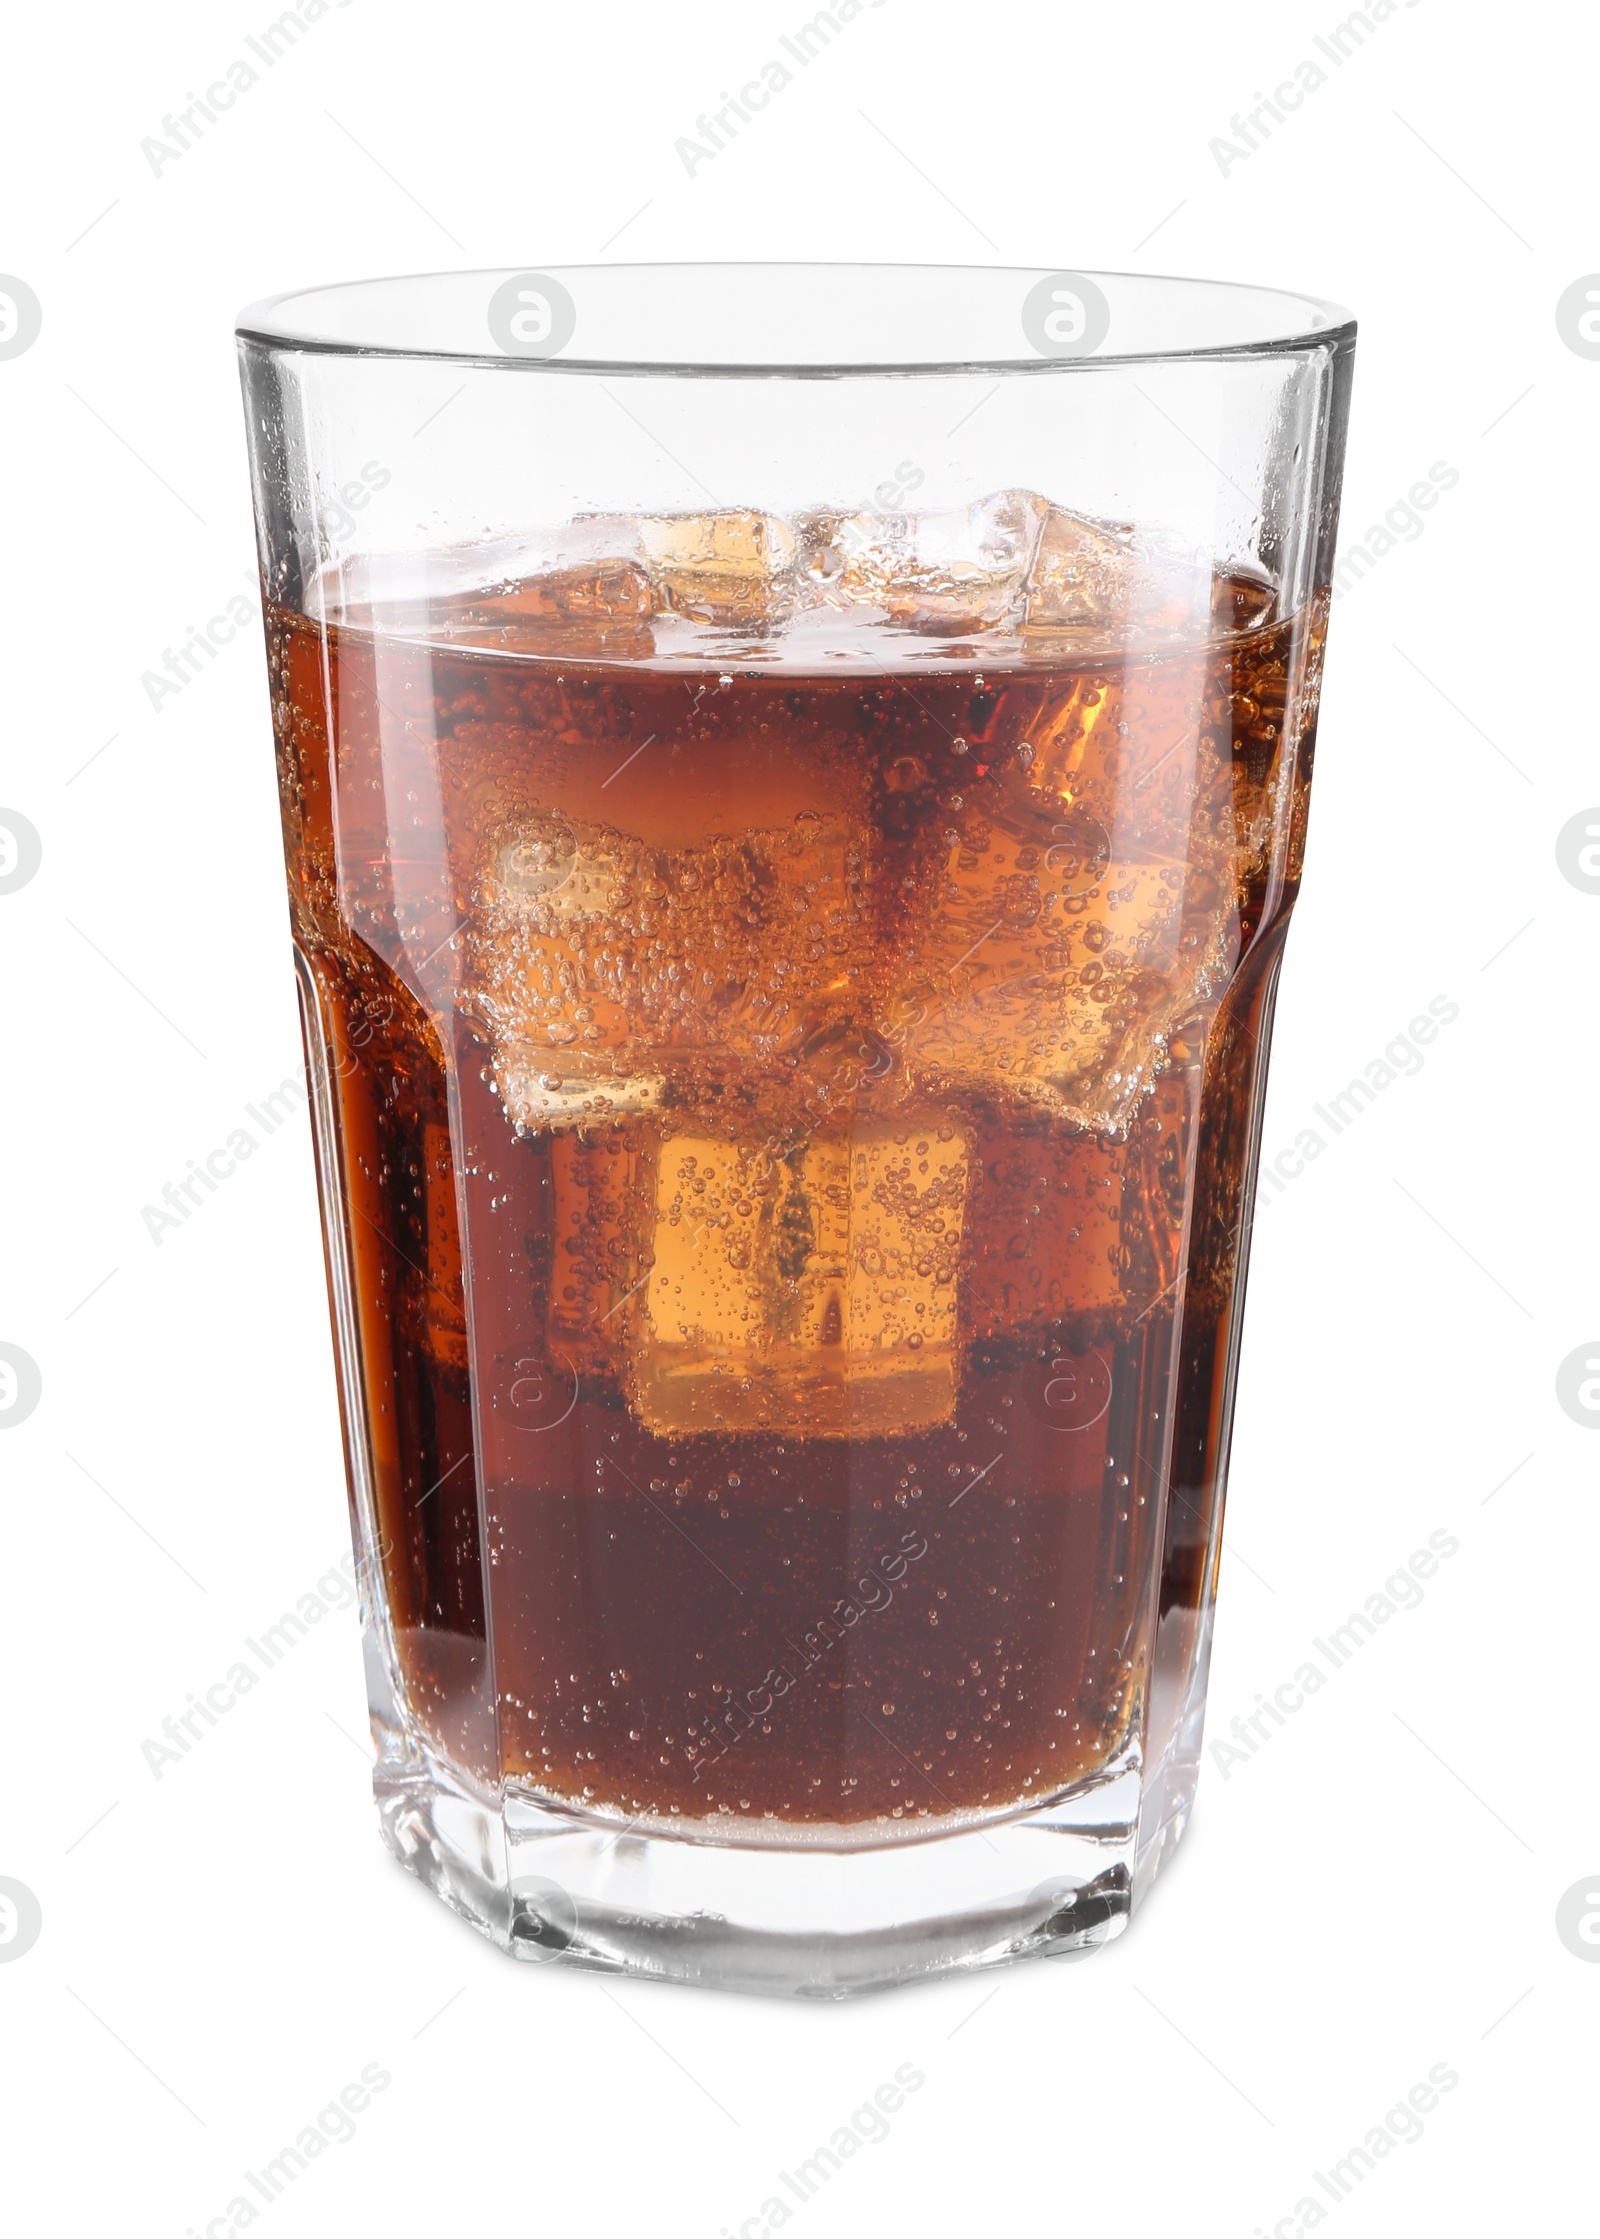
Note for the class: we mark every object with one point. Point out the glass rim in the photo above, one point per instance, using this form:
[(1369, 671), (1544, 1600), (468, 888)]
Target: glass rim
[(1284, 321)]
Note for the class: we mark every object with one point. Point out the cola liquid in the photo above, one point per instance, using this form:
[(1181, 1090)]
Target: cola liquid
[(785, 1121)]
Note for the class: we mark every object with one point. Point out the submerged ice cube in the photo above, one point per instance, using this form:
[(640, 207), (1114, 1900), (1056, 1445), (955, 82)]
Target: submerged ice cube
[(1075, 1234), (540, 1087), (610, 974), (811, 1292), (602, 1209), (1087, 893), (542, 862), (1055, 991), (560, 1038)]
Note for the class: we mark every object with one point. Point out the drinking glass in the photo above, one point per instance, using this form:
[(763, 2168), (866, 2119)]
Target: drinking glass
[(794, 779)]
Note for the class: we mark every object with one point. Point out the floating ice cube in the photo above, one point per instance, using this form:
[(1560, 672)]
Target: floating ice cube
[(1103, 583), (599, 608), (735, 569), (612, 587), (1083, 574), (944, 574), (1242, 598), (576, 590)]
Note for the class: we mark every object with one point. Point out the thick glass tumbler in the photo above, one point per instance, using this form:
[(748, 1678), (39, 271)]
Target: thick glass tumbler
[(793, 782)]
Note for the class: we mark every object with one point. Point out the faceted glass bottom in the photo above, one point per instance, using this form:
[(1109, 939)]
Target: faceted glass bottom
[(809, 1921)]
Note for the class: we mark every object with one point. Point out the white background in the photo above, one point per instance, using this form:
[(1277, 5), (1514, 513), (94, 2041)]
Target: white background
[(1374, 1891)]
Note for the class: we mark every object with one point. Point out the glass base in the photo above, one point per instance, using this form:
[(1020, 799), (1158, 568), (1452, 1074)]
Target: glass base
[(810, 1921)]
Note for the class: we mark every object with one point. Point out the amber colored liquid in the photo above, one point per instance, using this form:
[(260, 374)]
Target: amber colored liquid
[(792, 1178)]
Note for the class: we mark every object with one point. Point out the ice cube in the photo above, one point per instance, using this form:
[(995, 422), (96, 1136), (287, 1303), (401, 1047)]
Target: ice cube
[(601, 607), (582, 589), (1073, 1233), (605, 970), (444, 1305), (1082, 576), (735, 569), (601, 1206), (540, 863), (1183, 597), (1055, 955), (812, 1293), (559, 1035), (942, 574), (1242, 598), (542, 1087), (1046, 1215), (1102, 582)]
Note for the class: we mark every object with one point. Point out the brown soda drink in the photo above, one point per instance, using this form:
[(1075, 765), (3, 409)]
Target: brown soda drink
[(783, 1074)]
